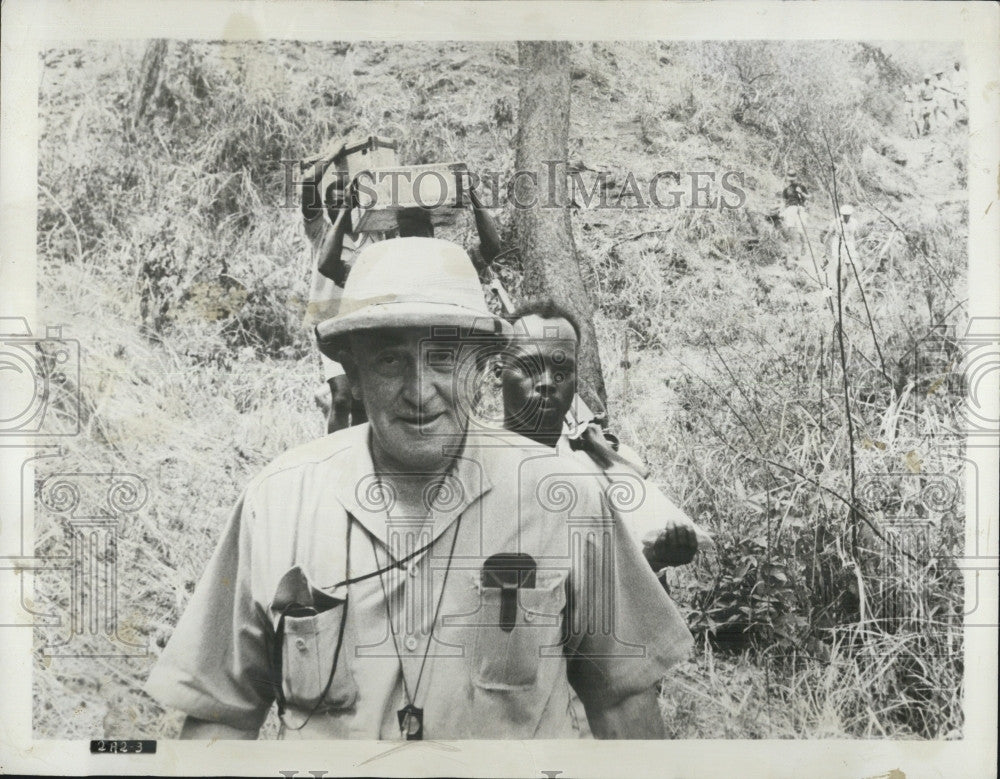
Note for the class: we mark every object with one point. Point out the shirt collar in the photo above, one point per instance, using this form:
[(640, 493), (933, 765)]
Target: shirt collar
[(358, 488)]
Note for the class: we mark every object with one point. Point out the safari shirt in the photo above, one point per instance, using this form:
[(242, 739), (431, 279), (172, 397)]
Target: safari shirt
[(594, 618)]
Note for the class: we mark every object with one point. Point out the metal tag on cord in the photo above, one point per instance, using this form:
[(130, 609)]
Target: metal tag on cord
[(411, 722)]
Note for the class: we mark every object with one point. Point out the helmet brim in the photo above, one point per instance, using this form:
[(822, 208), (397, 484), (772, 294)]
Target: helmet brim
[(438, 319)]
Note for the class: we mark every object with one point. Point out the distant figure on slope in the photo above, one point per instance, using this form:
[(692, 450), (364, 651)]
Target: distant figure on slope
[(841, 247), (943, 94), (926, 93), (911, 108), (794, 218), (958, 86)]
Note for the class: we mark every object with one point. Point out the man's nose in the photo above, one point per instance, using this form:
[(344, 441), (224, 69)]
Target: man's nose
[(418, 385), (545, 384)]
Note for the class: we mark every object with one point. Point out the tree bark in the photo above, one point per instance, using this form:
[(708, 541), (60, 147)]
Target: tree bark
[(542, 225), (148, 81)]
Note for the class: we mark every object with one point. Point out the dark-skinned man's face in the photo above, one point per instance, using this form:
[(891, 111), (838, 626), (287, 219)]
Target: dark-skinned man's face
[(539, 377)]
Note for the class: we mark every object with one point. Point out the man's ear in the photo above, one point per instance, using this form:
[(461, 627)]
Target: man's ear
[(355, 390), (351, 371)]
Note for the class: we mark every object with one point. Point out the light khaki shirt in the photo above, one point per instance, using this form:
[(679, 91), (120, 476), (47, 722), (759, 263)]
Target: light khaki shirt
[(596, 620)]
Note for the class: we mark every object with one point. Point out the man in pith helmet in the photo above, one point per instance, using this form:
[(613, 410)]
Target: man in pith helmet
[(420, 576)]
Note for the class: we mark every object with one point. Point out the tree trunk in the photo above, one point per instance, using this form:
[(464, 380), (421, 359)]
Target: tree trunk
[(541, 219), (148, 80)]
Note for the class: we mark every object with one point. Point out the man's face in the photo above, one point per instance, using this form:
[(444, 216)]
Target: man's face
[(539, 376), (409, 393)]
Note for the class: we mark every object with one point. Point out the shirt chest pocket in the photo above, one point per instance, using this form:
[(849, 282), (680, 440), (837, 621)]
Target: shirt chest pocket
[(309, 653), (507, 652)]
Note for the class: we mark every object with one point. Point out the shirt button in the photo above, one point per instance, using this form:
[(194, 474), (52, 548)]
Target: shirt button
[(300, 644), (411, 643), (411, 569), (529, 616)]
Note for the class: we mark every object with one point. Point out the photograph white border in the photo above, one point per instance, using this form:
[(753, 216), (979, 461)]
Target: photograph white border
[(29, 27)]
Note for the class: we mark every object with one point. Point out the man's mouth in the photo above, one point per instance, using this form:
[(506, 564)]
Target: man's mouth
[(421, 420)]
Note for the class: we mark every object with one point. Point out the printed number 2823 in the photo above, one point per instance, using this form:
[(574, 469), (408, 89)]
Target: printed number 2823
[(123, 747)]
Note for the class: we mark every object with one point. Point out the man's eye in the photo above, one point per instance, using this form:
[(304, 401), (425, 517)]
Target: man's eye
[(440, 359)]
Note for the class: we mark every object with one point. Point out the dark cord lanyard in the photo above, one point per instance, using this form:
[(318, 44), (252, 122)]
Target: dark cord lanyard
[(279, 638), (378, 571), (279, 633), (411, 699)]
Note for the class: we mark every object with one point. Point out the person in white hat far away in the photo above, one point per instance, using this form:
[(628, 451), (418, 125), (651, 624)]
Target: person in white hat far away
[(943, 94), (958, 86), (927, 96), (422, 575)]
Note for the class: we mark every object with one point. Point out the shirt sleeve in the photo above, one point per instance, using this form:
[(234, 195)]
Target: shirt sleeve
[(648, 520), (215, 666), (623, 631)]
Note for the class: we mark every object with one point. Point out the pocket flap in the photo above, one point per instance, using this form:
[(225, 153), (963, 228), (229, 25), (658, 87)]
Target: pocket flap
[(298, 600)]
